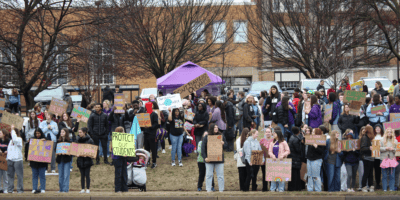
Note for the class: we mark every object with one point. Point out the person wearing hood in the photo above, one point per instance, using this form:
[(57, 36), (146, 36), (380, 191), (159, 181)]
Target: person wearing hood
[(38, 168), (348, 121), (380, 90), (200, 122), (84, 163), (351, 160), (314, 116), (150, 133), (286, 116), (68, 99), (379, 117), (108, 94), (251, 144)]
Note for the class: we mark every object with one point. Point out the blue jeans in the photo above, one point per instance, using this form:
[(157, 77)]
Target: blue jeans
[(396, 176), (176, 146), (39, 173), (289, 128), (277, 184), (108, 147), (71, 161), (63, 176), (388, 172), (219, 169), (333, 174), (314, 175)]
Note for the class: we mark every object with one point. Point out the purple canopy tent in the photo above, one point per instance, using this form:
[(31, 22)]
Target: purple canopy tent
[(186, 73)]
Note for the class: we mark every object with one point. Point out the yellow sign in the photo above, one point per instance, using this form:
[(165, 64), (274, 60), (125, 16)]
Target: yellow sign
[(358, 85)]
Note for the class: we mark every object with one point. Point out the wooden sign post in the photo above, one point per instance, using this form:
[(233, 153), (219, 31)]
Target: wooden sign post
[(40, 150), (193, 85), (144, 119), (11, 119), (58, 106), (279, 170), (257, 157), (214, 148), (376, 149)]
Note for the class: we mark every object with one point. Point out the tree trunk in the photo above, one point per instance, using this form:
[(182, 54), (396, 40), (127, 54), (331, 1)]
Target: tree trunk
[(29, 99)]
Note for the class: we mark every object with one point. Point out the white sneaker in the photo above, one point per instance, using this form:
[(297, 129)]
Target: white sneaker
[(70, 170), (364, 189), (180, 164), (170, 147), (163, 151), (87, 191), (195, 151), (173, 164), (53, 171), (371, 189), (82, 191), (5, 192), (42, 191), (33, 191)]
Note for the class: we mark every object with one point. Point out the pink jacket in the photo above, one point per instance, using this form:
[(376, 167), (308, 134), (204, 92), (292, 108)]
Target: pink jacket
[(284, 150)]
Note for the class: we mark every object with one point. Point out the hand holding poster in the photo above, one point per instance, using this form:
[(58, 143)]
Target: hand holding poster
[(3, 161), (350, 95), (377, 109), (119, 103), (193, 85), (214, 148), (144, 119), (320, 140), (376, 149), (328, 112), (349, 145), (123, 144), (58, 106), (40, 150), (81, 113), (279, 170), (169, 101), (257, 157), (11, 119)]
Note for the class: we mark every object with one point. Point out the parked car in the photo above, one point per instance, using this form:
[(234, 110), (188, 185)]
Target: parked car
[(45, 96), (370, 82), (257, 87), (145, 94)]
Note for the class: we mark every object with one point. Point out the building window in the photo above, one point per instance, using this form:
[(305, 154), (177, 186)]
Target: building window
[(60, 65), (198, 35), (102, 64), (8, 73), (288, 5), (219, 29), (240, 35)]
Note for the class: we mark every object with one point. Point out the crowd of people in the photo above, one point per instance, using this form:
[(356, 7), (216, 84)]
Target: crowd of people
[(284, 120)]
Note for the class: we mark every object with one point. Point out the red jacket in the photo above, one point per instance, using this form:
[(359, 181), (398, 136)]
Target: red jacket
[(348, 86), (329, 91), (296, 103)]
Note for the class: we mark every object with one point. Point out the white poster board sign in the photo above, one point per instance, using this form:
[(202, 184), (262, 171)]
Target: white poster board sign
[(173, 101)]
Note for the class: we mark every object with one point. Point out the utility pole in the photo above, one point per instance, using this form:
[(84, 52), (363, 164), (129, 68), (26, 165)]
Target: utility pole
[(98, 60)]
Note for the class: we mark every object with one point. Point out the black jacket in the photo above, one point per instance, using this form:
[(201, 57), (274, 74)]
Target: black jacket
[(315, 153), (201, 118), (230, 114), (98, 125), (348, 122), (364, 146), (382, 92), (130, 115), (298, 120), (204, 150), (320, 87), (296, 146), (248, 113), (34, 164), (152, 131), (272, 106), (116, 120), (61, 125), (83, 162), (108, 94), (283, 115)]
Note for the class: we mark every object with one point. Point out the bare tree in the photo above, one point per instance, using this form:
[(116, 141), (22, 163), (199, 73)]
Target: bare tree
[(301, 34)]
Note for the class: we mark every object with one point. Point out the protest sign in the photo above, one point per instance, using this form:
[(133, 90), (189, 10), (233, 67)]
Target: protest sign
[(87, 150), (279, 170), (123, 144), (169, 101), (214, 148), (328, 112), (2, 105), (58, 106), (350, 95), (189, 115), (144, 119), (394, 117), (392, 125), (307, 106), (40, 150), (355, 108), (193, 85), (376, 149), (349, 145), (11, 119), (320, 140), (376, 109), (74, 149), (63, 148), (81, 113), (3, 162), (119, 103), (397, 150), (357, 85), (257, 157)]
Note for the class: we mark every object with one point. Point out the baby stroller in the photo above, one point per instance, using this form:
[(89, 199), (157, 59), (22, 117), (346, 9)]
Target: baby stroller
[(137, 170)]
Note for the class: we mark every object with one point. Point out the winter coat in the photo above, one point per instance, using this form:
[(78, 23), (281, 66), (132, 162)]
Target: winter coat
[(63, 158), (239, 162), (230, 114), (296, 103), (272, 105), (201, 118), (3, 145), (320, 87), (152, 131), (98, 125), (351, 157), (329, 91), (204, 150), (348, 122), (382, 92), (53, 132), (315, 117), (285, 117), (130, 115), (298, 121), (315, 153), (83, 162), (284, 150), (72, 136), (116, 120), (365, 147), (335, 111), (296, 146), (34, 164), (108, 94), (249, 145), (216, 116), (248, 113)]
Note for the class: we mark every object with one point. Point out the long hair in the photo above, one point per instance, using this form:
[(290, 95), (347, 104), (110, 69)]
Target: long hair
[(222, 109), (376, 99), (179, 116), (243, 137), (15, 92), (248, 96), (6, 134), (276, 95), (33, 123), (334, 142), (361, 131), (68, 121), (391, 100), (379, 84), (318, 131), (212, 99), (390, 139), (344, 109), (264, 94), (280, 136), (211, 129), (314, 100), (66, 137), (369, 131), (285, 103)]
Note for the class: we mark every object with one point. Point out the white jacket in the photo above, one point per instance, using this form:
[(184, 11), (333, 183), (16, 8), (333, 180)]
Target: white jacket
[(14, 150), (237, 155)]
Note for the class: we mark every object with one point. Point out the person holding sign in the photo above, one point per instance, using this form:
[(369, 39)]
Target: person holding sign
[(15, 161), (38, 168), (64, 163), (315, 154), (30, 128), (240, 165), (50, 129), (150, 133), (278, 149), (177, 131), (4, 140), (389, 163), (368, 160), (378, 131), (120, 165), (380, 116), (333, 161), (84, 163), (351, 160), (249, 145), (347, 121)]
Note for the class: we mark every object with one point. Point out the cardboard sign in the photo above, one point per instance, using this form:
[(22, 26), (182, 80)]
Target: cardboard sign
[(349, 145), (320, 140), (11, 119), (398, 150), (169, 101), (257, 157), (144, 119), (74, 149), (357, 85), (392, 125), (81, 113), (279, 170), (355, 108), (303, 172), (193, 85), (3, 161), (119, 102), (307, 106), (58, 106), (376, 149), (63, 148), (87, 150), (2, 105), (394, 117), (40, 150), (350, 95), (328, 112), (376, 109), (123, 144), (214, 148), (189, 115)]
